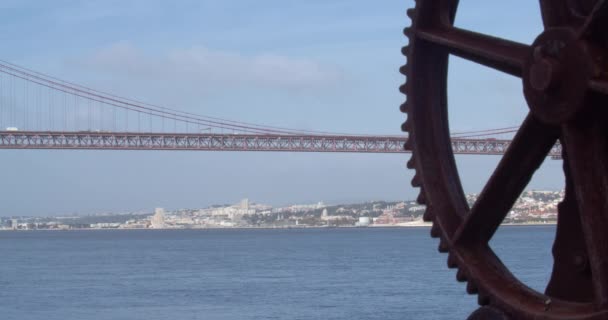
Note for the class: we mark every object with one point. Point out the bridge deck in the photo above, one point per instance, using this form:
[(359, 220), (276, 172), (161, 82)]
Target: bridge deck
[(233, 142)]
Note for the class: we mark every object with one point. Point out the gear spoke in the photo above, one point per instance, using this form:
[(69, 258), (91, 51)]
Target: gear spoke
[(597, 22), (500, 54), (586, 146), (570, 279), (526, 153), (557, 13)]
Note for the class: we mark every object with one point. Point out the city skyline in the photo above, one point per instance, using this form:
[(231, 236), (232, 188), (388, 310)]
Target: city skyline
[(152, 210), (534, 207)]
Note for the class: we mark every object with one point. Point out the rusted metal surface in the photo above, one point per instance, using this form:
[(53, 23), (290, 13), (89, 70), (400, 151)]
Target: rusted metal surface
[(485, 313), (564, 75)]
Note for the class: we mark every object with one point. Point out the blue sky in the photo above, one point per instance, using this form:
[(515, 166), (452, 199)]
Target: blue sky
[(320, 65)]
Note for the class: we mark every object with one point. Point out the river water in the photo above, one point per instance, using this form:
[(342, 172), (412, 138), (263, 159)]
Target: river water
[(240, 274)]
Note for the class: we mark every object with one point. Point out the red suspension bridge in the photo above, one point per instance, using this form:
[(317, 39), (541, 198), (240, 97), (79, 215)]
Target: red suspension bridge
[(38, 111)]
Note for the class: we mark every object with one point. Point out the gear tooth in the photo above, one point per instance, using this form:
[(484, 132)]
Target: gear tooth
[(461, 276), (403, 88), (407, 146), (404, 107), (403, 69), (483, 299), (452, 262), (443, 245), (421, 197), (405, 50), (406, 126), (472, 288), (428, 215), (411, 164), (410, 13), (416, 183), (407, 31), (435, 232)]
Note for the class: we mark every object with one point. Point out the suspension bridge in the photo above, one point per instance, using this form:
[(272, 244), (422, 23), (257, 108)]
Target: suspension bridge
[(39, 111)]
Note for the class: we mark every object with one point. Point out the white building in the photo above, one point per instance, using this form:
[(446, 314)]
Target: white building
[(244, 204), (158, 219), (324, 215), (363, 222)]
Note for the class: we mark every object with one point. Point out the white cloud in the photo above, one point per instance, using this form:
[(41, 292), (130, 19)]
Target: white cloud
[(217, 69)]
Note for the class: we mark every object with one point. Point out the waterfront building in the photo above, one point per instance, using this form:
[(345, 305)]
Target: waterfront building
[(158, 219), (245, 204), (324, 215), (363, 222)]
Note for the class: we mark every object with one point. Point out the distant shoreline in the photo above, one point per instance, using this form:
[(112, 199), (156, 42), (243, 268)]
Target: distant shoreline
[(397, 226)]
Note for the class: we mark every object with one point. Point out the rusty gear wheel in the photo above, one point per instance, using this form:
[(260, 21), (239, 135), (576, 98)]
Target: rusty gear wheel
[(565, 82)]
